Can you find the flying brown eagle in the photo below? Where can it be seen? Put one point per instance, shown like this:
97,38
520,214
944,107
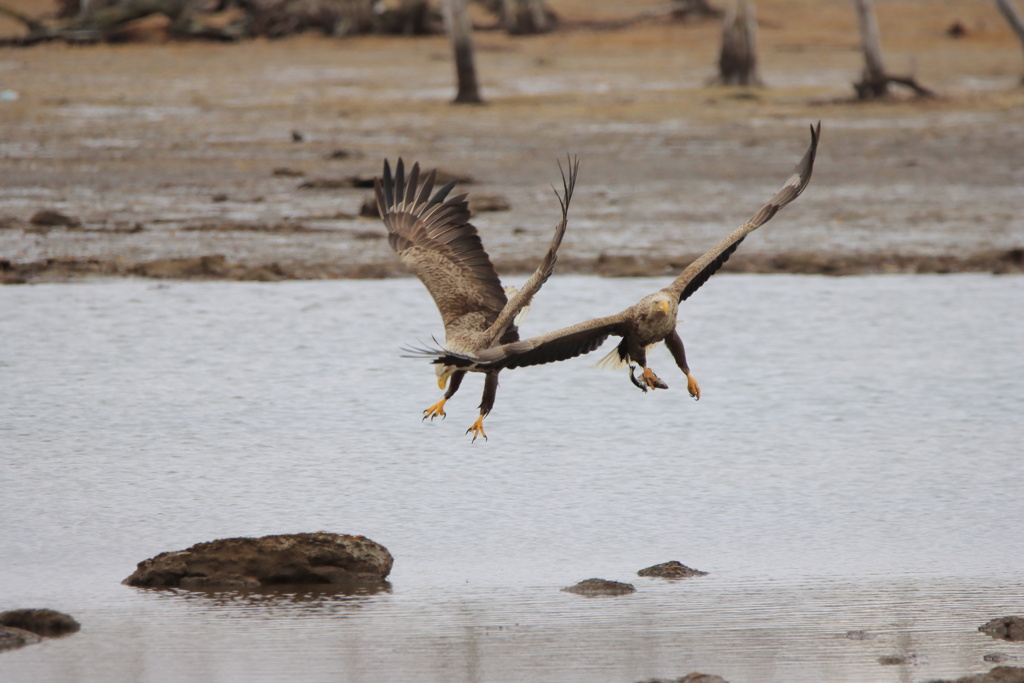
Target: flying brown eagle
433,237
641,326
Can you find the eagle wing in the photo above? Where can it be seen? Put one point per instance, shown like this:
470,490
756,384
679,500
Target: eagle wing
523,297
698,272
563,344
434,239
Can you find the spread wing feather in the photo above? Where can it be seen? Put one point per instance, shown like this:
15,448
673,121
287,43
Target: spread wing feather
698,272
434,239
525,294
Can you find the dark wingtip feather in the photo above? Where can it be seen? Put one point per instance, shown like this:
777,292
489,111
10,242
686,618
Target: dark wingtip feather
399,180
442,193
388,182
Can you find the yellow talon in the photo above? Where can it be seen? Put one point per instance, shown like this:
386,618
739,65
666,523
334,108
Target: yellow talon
436,410
652,380
478,429
693,387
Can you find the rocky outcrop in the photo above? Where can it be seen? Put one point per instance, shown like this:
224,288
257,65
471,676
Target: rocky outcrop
591,587
303,559
42,622
1000,674
1004,628
694,677
670,570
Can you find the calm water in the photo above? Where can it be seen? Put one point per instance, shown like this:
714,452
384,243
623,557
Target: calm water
855,464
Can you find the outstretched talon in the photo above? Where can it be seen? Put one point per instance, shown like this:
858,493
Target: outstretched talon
478,429
693,387
436,410
652,380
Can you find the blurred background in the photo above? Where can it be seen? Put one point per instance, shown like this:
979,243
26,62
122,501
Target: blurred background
239,140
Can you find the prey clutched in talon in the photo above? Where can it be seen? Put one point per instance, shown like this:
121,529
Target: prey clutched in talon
478,429
652,380
436,410
649,379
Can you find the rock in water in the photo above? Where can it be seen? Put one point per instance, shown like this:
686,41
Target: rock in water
1004,628
42,622
320,558
670,570
600,587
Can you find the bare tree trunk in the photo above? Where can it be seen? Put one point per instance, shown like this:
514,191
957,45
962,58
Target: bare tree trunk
1014,18
737,63
461,33
874,82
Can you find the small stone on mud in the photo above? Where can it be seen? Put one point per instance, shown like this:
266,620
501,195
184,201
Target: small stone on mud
50,218
600,587
483,203
899,660
286,172
672,569
858,635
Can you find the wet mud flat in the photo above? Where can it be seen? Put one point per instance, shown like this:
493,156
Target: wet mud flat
250,161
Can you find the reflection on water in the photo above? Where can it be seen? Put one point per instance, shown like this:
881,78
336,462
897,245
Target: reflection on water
853,466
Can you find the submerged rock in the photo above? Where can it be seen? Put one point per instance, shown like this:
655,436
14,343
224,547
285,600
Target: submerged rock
320,558
42,622
1004,628
12,638
670,570
600,587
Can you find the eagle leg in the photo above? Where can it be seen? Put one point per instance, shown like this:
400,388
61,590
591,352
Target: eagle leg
652,380
436,410
478,429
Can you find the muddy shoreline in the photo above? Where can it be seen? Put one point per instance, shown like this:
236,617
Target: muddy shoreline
192,160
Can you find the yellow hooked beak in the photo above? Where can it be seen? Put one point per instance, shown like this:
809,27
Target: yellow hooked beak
663,306
443,373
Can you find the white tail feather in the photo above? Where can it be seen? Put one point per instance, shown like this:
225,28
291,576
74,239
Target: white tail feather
612,361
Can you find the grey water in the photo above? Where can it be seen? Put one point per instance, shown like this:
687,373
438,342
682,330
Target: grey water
855,464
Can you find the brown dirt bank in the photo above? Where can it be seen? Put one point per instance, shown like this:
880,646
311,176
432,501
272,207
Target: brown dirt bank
167,157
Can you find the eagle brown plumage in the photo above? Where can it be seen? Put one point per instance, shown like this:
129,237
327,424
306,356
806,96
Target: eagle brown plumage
433,237
649,321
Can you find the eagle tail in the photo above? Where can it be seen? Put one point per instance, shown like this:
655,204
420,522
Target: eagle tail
613,361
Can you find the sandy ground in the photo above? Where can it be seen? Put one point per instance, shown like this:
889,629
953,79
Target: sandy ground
181,159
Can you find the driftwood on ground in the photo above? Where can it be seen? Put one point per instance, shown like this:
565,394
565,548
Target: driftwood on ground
108,20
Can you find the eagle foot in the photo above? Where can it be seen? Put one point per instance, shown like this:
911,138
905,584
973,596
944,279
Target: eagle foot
478,429
693,387
436,410
652,380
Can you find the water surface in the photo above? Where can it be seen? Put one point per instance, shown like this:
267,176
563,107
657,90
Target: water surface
854,464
